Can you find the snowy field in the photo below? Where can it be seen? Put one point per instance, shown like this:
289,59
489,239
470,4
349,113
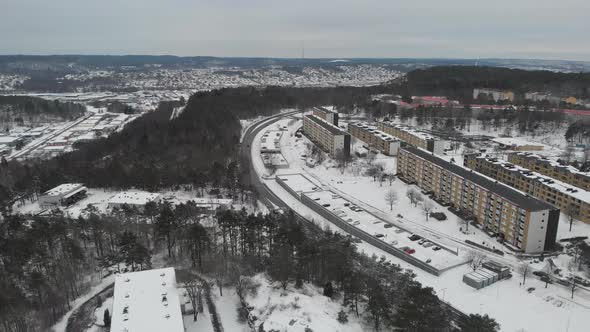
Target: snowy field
500,300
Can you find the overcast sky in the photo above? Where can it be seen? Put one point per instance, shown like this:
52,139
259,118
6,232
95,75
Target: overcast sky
545,29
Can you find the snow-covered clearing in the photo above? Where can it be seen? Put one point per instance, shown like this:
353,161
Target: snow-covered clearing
297,309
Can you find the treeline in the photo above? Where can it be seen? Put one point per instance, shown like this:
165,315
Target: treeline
458,82
24,110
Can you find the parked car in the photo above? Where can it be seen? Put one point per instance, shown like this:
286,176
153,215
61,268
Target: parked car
326,205
399,231
437,248
387,225
410,251
421,242
428,244
394,242
428,261
540,273
356,223
378,235
414,237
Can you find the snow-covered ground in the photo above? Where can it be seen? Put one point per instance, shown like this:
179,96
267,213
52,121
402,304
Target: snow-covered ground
297,309
544,309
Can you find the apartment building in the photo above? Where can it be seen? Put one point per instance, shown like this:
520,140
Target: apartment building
497,95
551,168
326,114
571,200
521,221
328,137
374,138
413,137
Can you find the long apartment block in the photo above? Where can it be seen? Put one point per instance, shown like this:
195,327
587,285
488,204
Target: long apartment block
413,137
376,139
526,223
328,137
552,168
326,114
571,200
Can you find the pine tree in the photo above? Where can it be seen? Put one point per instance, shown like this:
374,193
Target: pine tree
107,318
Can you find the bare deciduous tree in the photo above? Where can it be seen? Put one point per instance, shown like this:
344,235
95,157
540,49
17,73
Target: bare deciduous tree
192,290
427,206
476,259
524,269
414,196
391,198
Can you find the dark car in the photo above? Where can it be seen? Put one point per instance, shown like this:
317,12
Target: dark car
414,237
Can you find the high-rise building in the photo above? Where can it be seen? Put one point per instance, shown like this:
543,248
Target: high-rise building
413,137
327,136
519,220
571,200
375,139
326,114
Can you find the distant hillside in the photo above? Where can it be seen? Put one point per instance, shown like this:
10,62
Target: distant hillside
24,110
458,82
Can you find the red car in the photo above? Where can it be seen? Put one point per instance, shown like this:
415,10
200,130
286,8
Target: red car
410,251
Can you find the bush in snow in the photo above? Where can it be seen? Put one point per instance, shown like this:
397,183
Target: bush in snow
342,317
328,289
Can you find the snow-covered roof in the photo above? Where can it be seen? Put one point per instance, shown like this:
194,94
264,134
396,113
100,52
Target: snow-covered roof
566,189
7,139
146,301
213,201
136,197
410,130
515,141
64,189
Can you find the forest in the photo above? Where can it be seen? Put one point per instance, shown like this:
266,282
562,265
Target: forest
458,82
44,264
25,110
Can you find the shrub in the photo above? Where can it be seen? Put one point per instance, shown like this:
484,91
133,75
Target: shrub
342,317
438,215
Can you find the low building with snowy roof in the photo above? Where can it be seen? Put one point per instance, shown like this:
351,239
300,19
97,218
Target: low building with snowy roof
517,144
147,301
63,195
136,198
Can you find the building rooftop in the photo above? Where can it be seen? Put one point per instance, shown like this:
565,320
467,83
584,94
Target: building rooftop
146,301
553,163
513,195
375,131
567,189
324,109
332,128
515,141
411,130
63,189
133,197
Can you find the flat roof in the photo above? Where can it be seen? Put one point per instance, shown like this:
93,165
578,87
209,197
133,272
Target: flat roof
146,301
565,188
135,197
323,109
517,197
63,189
332,128
515,141
375,132
410,130
552,163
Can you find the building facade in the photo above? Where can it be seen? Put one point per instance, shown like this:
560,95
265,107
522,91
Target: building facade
63,195
497,95
525,223
326,114
570,200
375,139
328,137
413,137
551,168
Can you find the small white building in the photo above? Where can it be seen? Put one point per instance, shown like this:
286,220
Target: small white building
147,301
65,194
136,198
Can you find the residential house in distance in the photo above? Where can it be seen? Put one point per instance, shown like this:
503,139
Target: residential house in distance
413,137
327,136
497,95
62,195
374,138
147,301
326,114
571,200
519,220
552,168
